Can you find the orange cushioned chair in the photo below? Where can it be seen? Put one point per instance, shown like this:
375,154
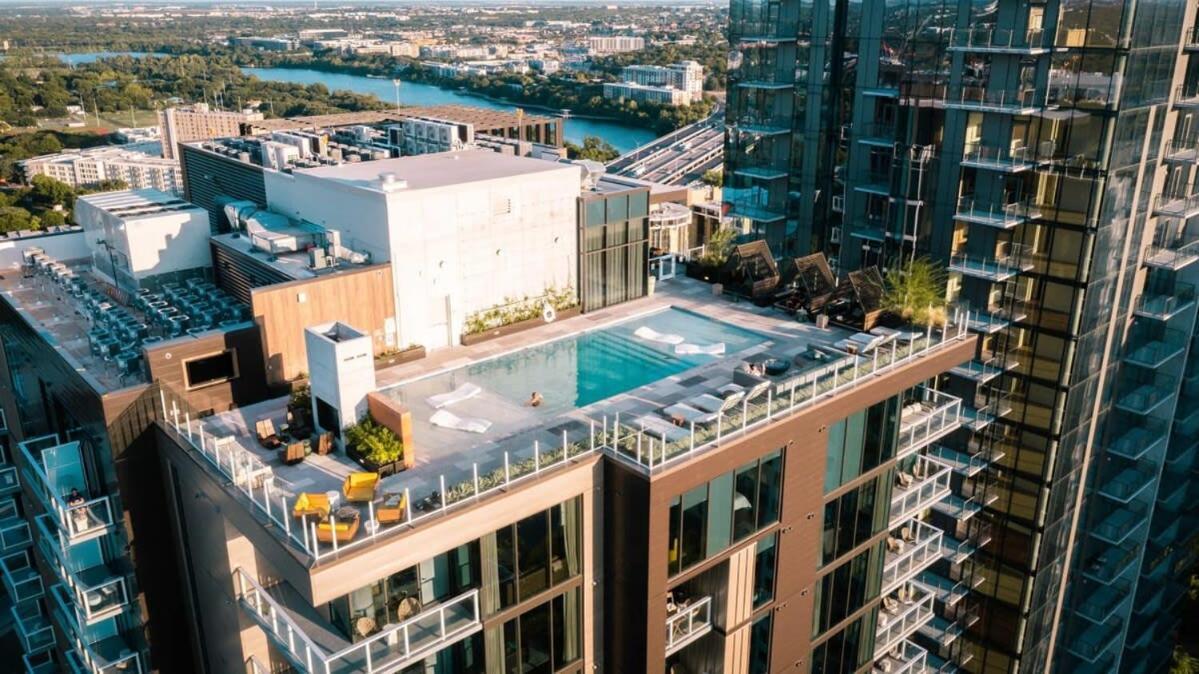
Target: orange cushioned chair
312,505
360,487
346,528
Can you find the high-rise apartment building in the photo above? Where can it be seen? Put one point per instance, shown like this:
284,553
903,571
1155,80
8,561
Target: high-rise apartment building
198,122
94,166
614,44
1042,154
686,76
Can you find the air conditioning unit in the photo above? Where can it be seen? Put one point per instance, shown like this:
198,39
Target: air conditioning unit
834,235
839,204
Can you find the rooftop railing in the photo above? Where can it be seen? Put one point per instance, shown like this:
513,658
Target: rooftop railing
388,650
654,449
687,624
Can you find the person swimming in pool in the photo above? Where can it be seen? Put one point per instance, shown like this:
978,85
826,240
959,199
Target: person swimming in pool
535,400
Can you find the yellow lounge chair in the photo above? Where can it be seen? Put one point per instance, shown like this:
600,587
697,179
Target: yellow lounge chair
312,505
346,528
360,487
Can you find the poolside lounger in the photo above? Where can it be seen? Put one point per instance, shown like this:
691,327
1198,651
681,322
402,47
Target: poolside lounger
687,413
463,392
645,332
710,403
447,419
662,429
716,349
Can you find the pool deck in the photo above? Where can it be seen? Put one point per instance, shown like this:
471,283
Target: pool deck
516,429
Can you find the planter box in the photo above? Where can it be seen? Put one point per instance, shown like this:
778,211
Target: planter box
519,326
400,357
383,469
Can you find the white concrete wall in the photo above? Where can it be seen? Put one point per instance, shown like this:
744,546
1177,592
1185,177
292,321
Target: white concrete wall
341,372
154,244
60,246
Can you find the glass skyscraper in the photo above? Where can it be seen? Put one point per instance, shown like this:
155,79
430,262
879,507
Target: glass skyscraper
1043,154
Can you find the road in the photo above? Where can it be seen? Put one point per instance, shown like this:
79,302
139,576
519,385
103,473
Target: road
678,158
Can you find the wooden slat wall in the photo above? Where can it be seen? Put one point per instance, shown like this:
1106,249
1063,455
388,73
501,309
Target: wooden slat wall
165,362
741,586
362,298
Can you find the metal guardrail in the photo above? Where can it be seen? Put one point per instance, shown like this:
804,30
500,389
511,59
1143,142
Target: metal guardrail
688,624
944,417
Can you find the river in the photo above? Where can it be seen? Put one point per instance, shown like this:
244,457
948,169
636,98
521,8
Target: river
622,136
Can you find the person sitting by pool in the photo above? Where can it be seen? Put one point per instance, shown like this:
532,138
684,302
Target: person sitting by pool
535,399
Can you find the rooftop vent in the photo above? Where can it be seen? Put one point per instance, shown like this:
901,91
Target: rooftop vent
390,183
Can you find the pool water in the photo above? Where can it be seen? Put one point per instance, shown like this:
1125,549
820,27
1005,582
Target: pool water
576,371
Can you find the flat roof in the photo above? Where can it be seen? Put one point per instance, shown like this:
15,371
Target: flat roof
294,265
441,169
447,459
131,204
482,118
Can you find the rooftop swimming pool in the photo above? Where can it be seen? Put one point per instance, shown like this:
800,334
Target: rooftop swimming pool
577,371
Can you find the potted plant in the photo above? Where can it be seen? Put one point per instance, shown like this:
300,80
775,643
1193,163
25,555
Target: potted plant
375,446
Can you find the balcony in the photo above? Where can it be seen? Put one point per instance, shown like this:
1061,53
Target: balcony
1111,563
32,628
40,663
984,412
1147,397
763,126
956,551
1101,602
1184,151
905,658
15,534
81,518
1137,437
927,420
961,508
877,183
877,134
1093,642
899,618
21,579
1183,207
998,216
1172,253
97,594
966,465
1162,305
1127,484
947,591
978,99
999,159
687,624
1006,262
1173,494
978,371
989,40
1186,98
918,490
1190,40
281,612
1151,349
1120,523
917,546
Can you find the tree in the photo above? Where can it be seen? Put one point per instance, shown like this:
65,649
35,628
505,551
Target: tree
53,219
1183,662
52,191
916,292
14,218
713,177
593,148
718,246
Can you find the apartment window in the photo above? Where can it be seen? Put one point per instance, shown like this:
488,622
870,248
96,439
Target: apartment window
209,370
759,646
861,442
764,568
731,507
847,588
854,517
532,555
542,640
847,650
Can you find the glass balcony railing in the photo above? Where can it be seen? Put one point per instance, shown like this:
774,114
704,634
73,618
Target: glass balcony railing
1127,484
40,663
987,212
763,125
913,550
1147,396
905,658
1136,437
1162,305
1111,563
879,134
15,534
991,40
1007,261
1094,641
389,650
925,484
979,99
1151,348
1186,96
1001,159
978,371
9,484
20,577
688,623
924,421
32,627
1120,523
55,472
1185,151
1176,206
899,618
962,463
1100,602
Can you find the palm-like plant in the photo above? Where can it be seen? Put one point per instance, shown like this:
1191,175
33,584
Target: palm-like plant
916,292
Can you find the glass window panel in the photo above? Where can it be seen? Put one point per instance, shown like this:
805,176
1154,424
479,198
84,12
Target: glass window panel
535,654
759,646
855,436
695,525
532,555
769,489
618,208
673,562
836,449
505,552
745,500
638,204
595,212
720,513
764,567
567,635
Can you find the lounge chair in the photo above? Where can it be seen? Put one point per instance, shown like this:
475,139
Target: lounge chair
894,545
904,479
360,487
688,414
716,349
447,419
890,605
324,443
662,429
344,530
311,505
264,430
293,453
710,403
648,333
393,509
463,392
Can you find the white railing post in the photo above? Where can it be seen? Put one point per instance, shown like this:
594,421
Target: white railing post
444,496
536,457
333,531
507,471
408,503
475,471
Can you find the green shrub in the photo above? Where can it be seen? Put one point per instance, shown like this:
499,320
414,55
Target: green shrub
916,292
377,443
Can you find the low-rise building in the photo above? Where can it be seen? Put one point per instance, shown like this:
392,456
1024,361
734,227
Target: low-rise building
645,94
614,44
687,76
198,122
94,166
